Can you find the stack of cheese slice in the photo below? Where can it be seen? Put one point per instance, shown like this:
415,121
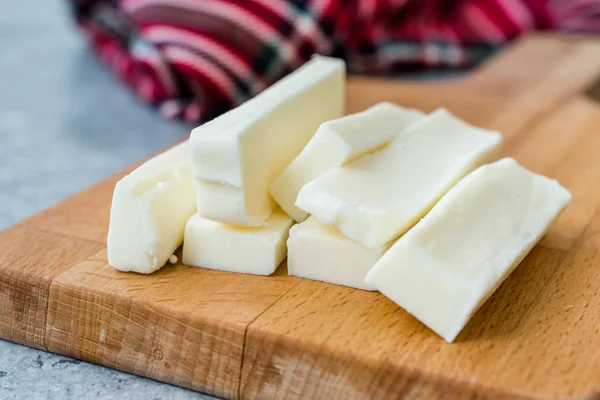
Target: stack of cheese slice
386,199
239,154
214,189
336,143
370,202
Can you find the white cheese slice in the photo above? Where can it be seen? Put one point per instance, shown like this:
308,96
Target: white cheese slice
444,269
380,196
320,252
338,142
252,144
228,204
251,250
150,207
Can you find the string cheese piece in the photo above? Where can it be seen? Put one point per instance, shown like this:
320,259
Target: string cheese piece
336,143
248,147
251,250
150,208
449,264
320,252
378,197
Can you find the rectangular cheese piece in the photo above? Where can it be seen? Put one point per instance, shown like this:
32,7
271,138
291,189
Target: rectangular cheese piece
380,196
251,145
150,208
445,268
320,252
226,201
336,143
251,250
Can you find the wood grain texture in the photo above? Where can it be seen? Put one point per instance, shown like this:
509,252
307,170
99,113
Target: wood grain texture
29,260
242,336
84,215
181,325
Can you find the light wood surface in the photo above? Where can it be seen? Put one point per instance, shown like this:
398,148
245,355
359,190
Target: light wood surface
242,336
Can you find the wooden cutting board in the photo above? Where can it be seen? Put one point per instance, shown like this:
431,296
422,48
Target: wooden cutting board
242,336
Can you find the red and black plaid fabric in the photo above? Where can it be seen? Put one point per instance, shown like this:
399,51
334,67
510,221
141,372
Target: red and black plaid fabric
194,59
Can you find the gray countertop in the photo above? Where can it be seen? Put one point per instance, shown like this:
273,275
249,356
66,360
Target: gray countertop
65,124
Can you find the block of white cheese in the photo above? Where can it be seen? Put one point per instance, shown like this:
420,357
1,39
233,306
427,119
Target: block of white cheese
226,201
248,147
150,208
443,269
338,142
251,250
320,252
380,196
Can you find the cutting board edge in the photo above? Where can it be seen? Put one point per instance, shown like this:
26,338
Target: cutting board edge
399,379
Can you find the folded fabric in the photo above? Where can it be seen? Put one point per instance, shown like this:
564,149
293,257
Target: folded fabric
194,59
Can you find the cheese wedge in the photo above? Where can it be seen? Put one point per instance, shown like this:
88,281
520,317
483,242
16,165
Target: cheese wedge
378,197
336,143
445,268
251,250
150,208
320,252
251,145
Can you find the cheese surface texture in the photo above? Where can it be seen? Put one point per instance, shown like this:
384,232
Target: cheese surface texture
338,142
249,146
320,252
251,250
380,196
149,210
228,204
444,269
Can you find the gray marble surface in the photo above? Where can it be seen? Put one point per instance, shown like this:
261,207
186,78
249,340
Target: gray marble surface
65,123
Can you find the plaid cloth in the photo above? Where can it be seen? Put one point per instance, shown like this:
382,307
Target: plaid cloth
194,59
